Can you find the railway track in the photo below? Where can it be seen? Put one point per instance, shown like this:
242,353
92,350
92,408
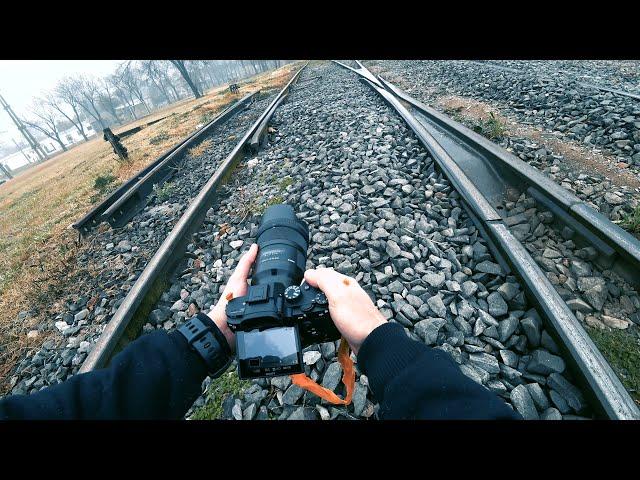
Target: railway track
417,208
110,261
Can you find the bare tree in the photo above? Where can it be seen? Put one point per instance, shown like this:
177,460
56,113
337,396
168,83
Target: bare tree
180,66
156,77
167,72
124,95
107,99
66,93
89,91
47,121
130,79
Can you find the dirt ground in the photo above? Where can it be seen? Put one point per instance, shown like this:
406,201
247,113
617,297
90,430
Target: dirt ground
38,207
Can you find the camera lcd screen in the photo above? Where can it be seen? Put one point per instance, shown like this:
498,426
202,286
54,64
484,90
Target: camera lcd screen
275,351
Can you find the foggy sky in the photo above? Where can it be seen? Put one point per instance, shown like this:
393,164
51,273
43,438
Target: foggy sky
20,80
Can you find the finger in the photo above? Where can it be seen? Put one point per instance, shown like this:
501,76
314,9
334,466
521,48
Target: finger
326,279
241,273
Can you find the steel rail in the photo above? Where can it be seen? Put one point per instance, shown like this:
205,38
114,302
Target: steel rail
95,216
605,391
136,198
619,249
171,252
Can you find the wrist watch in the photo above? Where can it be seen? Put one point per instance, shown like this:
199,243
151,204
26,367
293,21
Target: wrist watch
204,336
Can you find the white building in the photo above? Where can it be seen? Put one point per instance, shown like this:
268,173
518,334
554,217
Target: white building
69,137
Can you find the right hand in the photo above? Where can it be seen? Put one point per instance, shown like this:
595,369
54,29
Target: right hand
351,309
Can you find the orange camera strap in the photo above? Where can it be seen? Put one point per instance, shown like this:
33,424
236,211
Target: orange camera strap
348,378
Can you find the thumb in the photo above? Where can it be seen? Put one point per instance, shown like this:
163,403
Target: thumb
322,278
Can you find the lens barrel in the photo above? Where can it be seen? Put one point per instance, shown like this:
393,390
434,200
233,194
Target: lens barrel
283,240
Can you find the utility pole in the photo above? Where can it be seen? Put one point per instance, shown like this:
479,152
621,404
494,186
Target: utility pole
23,130
4,169
21,151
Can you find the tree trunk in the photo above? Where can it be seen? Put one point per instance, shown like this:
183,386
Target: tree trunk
179,64
79,125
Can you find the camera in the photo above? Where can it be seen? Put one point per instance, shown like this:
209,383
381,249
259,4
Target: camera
279,316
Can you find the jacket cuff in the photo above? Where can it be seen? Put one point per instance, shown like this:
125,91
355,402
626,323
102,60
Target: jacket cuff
385,353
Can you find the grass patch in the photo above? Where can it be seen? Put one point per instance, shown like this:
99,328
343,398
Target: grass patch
164,191
492,128
631,222
285,182
159,138
622,351
225,384
102,184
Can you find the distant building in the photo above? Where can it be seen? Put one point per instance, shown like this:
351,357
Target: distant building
124,111
69,137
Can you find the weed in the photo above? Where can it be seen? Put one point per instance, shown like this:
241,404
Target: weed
285,182
102,184
493,128
622,351
227,383
159,138
631,222
165,191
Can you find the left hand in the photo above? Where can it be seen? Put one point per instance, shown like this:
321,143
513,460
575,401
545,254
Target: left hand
237,287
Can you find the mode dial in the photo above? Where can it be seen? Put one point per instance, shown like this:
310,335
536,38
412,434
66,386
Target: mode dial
292,292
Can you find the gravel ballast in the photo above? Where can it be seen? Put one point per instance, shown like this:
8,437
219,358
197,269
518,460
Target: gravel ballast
378,211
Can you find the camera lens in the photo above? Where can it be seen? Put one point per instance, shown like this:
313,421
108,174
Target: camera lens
283,240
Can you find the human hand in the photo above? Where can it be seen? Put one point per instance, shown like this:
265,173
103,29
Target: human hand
351,309
236,287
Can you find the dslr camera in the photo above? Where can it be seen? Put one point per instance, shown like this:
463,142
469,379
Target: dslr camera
279,316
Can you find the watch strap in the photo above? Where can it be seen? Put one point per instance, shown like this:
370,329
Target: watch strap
204,336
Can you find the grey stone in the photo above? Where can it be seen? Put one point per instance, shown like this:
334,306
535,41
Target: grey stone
551,414
507,327
303,413
474,373
437,305
538,396
532,331
311,357
569,392
428,329
292,395
497,305
489,267
281,382
487,362
434,279
392,249
332,376
359,399
523,403
347,228
544,363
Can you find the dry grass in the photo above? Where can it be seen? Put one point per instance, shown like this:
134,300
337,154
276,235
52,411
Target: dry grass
37,208
200,148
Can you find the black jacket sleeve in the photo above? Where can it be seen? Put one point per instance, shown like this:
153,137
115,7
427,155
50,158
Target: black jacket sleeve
414,381
157,376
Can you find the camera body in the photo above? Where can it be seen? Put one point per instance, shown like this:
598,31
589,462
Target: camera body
279,316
